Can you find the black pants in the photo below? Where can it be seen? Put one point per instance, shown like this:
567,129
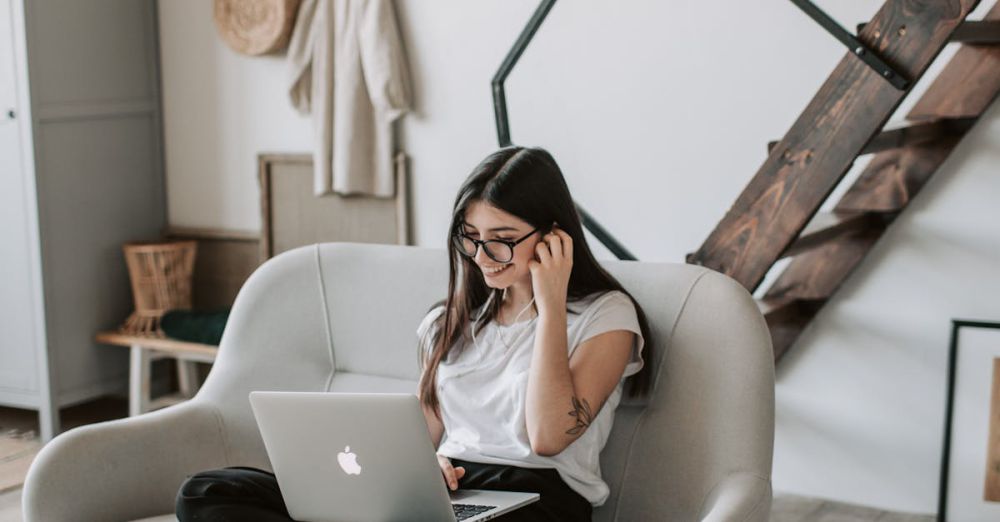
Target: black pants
241,494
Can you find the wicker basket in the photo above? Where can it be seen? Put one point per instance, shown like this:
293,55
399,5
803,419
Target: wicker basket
161,280
255,27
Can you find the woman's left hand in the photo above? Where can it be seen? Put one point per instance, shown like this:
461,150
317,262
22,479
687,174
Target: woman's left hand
551,269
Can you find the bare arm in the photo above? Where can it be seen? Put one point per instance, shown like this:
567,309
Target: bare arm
436,429
565,394
434,425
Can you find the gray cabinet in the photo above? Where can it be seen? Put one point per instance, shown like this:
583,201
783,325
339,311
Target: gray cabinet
81,172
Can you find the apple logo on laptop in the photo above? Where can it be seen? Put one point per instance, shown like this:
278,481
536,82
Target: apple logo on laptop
349,461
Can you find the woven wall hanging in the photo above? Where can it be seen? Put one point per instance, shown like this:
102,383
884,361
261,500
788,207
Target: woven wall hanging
255,27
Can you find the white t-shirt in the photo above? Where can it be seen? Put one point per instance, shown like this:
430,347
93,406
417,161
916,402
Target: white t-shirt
482,392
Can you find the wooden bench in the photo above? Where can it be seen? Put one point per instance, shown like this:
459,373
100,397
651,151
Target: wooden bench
145,350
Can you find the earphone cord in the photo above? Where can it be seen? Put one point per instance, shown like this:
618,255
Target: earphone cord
486,307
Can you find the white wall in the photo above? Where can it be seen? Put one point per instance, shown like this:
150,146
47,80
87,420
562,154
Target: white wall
221,109
659,113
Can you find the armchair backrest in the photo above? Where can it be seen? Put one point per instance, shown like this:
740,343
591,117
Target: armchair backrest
342,317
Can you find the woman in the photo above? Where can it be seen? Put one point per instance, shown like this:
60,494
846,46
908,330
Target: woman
520,379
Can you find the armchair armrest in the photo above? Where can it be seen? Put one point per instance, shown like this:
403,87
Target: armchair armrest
123,469
742,496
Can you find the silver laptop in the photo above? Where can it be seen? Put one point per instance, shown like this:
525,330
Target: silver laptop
363,457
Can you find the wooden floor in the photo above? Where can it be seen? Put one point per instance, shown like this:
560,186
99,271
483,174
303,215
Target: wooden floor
19,443
17,450
787,508
792,508
10,506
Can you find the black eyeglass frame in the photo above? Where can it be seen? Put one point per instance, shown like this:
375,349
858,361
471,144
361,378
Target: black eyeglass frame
479,243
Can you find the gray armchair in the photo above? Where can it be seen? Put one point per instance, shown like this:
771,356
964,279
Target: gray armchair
341,317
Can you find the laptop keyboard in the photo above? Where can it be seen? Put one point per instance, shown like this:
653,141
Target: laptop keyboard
464,511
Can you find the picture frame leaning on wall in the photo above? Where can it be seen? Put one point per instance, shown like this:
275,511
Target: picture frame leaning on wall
970,459
293,216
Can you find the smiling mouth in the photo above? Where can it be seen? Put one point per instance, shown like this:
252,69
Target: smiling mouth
494,271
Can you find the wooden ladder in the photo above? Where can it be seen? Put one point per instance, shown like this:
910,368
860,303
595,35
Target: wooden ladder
776,214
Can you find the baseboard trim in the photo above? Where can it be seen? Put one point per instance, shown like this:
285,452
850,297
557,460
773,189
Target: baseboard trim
27,400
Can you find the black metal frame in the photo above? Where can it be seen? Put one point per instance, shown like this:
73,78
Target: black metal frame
956,326
499,99
869,57
503,125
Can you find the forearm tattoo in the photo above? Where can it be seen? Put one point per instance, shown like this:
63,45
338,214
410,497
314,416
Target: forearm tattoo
584,416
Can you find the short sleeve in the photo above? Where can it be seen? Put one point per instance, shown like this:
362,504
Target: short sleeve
425,328
612,311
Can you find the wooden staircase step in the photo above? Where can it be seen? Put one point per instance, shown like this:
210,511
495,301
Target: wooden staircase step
786,319
826,226
809,281
893,178
773,307
912,134
977,32
917,133
850,108
818,273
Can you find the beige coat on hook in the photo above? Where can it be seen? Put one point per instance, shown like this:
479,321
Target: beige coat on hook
348,69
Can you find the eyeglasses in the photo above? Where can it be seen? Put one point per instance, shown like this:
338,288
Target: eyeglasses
499,250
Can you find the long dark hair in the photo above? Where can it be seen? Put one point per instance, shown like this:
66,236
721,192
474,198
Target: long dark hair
527,183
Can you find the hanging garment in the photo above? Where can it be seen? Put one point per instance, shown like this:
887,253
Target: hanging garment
349,71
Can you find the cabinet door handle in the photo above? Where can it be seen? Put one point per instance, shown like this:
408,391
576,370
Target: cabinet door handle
11,114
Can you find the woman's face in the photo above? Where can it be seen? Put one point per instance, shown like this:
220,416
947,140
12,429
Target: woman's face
484,222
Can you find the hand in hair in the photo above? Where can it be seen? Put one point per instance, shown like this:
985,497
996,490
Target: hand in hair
551,269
